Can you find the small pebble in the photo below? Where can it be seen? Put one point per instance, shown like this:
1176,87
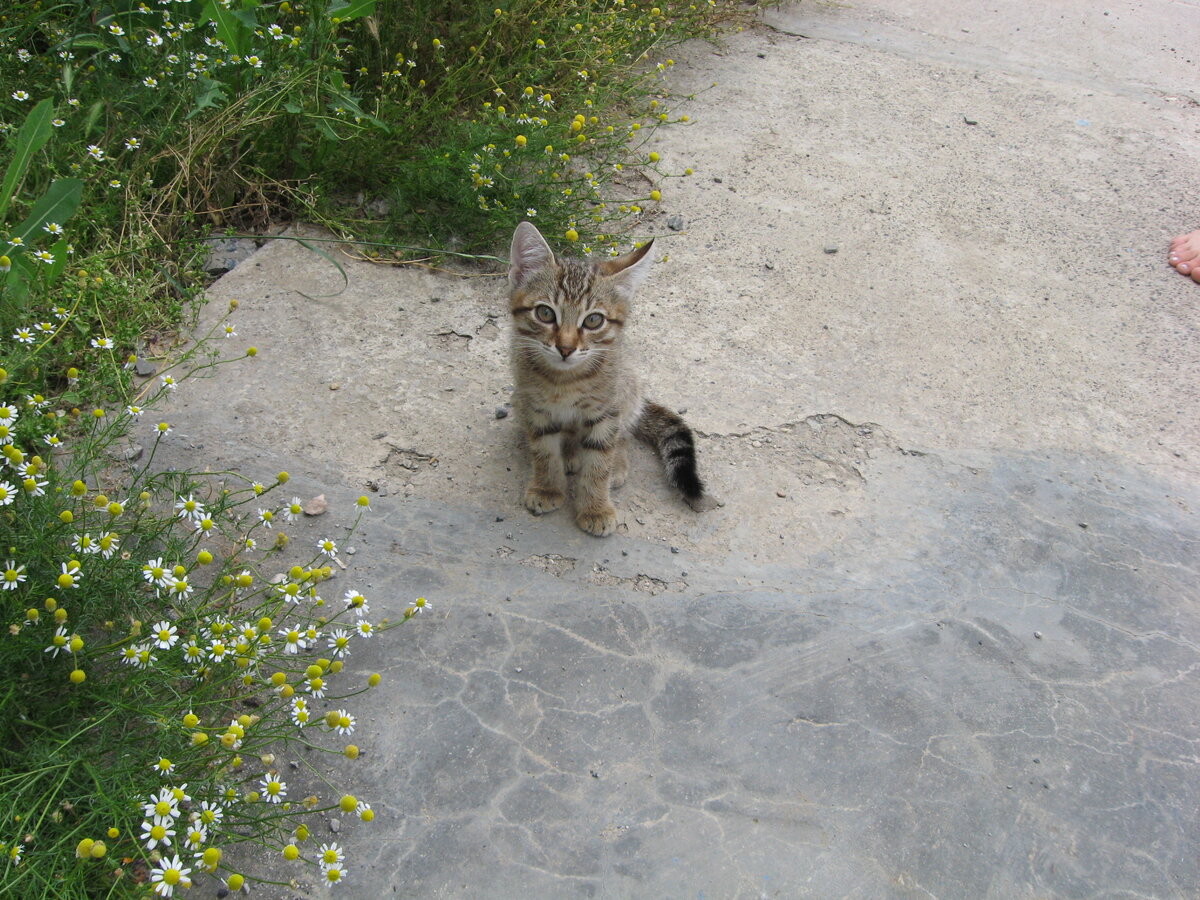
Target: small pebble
674,549
335,386
351,550
970,121
831,248
1038,635
335,825
501,412
781,494
675,222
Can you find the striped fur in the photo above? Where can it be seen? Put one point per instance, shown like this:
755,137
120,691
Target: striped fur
576,394
672,440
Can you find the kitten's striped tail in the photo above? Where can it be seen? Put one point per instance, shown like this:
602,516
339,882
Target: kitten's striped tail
672,440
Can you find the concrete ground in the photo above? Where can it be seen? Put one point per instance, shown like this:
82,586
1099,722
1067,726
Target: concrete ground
943,639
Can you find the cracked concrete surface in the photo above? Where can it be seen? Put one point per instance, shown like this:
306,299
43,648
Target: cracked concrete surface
942,640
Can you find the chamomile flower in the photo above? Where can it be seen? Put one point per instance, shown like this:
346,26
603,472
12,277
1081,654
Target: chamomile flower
85,543
142,656
180,587
8,493
266,516
419,604
155,573
335,874
108,543
357,602
20,96
342,722
290,591
164,766
330,855
210,813
52,228
116,30
13,575
294,640
338,641
162,807
8,414
135,411
52,440
23,336
95,153
169,383
169,874
365,629
154,834
195,837
58,642
229,332
300,712
133,143
71,573
293,509
165,635
189,508
327,548
273,790
103,343
218,651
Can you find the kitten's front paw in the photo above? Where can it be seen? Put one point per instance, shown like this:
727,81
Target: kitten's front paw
600,522
543,500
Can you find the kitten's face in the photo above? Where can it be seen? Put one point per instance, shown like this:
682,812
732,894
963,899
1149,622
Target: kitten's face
565,320
567,315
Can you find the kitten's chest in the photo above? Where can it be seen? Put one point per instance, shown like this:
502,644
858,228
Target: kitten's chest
572,405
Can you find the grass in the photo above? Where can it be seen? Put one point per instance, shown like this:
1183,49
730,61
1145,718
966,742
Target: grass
165,641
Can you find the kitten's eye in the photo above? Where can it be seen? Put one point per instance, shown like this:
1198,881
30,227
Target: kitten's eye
544,313
593,321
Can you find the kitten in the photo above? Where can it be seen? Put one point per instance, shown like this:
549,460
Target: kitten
576,394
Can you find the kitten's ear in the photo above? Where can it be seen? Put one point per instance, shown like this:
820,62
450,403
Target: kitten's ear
529,254
626,273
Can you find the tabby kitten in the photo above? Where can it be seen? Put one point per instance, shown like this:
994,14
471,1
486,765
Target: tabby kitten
576,394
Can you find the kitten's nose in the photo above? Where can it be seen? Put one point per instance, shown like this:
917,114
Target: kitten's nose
565,351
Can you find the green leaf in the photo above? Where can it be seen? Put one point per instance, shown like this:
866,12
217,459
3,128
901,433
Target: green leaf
351,9
60,260
325,128
30,139
231,27
209,94
57,205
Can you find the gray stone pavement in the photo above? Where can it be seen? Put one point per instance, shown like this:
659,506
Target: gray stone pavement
943,638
